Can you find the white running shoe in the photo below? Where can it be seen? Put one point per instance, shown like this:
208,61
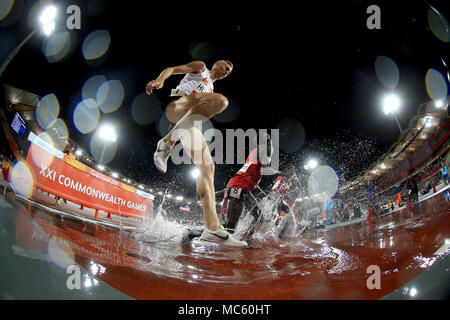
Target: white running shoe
221,236
161,155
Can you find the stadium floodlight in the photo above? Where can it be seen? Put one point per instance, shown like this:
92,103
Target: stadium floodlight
48,15
107,133
47,20
391,105
311,164
195,173
48,28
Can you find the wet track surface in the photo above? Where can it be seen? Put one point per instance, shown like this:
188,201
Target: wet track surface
321,264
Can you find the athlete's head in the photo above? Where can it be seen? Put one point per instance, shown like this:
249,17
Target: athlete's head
265,148
222,68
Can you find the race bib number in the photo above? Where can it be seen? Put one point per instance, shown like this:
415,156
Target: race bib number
203,86
276,185
245,167
235,193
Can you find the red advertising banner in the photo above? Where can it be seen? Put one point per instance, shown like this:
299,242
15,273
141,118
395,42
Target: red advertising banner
70,179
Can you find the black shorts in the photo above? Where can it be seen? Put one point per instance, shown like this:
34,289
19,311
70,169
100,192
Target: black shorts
235,201
236,193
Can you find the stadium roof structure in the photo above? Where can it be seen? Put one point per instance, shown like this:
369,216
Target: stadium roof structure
423,126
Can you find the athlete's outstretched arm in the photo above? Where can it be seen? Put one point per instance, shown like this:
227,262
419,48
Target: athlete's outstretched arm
191,67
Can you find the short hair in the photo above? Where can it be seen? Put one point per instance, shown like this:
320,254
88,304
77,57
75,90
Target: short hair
225,61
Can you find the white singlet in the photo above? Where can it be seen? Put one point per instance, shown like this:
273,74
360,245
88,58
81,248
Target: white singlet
193,83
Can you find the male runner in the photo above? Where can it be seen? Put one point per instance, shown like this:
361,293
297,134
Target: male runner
238,195
294,222
279,193
194,98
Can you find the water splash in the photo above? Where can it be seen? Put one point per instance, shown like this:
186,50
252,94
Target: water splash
159,229
268,228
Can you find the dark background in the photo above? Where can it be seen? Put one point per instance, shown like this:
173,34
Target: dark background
308,61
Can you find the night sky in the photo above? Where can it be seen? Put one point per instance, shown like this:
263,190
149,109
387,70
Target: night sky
312,63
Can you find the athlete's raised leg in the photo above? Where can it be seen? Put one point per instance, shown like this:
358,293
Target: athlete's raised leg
184,112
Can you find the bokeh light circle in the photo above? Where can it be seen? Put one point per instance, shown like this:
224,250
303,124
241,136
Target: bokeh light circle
86,116
12,12
439,25
96,44
145,108
58,133
110,96
323,183
60,253
47,110
91,86
57,46
5,8
102,150
40,157
34,13
436,85
163,125
387,72
292,134
21,179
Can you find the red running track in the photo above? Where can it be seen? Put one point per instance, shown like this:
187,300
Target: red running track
327,264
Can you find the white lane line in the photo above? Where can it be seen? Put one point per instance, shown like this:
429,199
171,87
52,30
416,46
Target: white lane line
443,248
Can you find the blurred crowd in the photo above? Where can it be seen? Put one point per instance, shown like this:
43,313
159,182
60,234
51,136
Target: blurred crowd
416,185
6,163
346,207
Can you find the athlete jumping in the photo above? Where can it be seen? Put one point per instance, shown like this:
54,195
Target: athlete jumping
194,100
